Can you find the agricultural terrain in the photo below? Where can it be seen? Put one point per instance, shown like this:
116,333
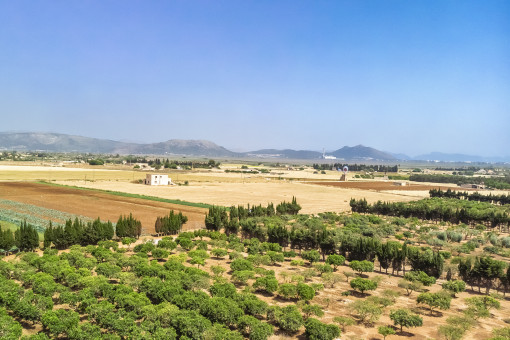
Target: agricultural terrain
95,204
263,272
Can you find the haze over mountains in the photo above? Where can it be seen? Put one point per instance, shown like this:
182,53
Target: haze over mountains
56,142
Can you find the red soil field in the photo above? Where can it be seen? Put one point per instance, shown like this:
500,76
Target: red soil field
98,204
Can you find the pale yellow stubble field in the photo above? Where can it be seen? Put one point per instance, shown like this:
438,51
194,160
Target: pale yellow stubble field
312,198
215,186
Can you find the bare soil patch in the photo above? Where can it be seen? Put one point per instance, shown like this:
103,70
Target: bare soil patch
96,204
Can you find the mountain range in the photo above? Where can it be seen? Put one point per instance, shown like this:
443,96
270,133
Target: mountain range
57,142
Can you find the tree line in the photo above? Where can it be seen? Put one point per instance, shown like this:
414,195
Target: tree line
173,164
491,182
217,217
468,168
475,196
25,238
171,224
485,272
77,232
357,167
439,209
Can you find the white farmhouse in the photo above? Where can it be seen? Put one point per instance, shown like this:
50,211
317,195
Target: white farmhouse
152,179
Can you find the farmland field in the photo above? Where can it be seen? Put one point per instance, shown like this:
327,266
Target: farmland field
313,198
68,195
95,204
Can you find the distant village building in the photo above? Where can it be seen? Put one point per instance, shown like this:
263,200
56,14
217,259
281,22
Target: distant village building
472,186
152,179
324,156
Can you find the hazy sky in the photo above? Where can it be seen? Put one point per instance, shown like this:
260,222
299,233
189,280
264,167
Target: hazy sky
401,76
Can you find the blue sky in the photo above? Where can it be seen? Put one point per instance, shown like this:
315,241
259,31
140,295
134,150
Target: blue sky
400,76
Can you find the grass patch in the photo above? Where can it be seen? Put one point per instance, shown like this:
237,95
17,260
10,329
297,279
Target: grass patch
125,194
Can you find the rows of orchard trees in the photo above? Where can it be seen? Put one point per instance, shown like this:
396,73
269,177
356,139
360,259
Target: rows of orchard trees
130,297
313,234
436,209
475,196
491,182
357,167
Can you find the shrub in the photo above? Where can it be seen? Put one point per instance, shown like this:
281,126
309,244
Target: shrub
385,331
335,260
253,328
311,256
316,330
365,311
420,277
305,292
241,264
343,321
219,252
287,291
289,319
404,318
227,290
268,284
435,300
456,286
363,284
362,266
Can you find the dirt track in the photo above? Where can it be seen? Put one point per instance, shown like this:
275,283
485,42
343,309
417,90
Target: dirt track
383,186
97,204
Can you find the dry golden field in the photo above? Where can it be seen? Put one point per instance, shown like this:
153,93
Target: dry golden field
312,198
221,188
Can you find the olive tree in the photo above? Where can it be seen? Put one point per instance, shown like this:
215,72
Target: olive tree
385,331
362,266
316,330
404,318
456,286
439,300
335,260
363,284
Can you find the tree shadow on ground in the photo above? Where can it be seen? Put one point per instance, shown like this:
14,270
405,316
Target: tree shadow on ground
404,333
359,294
426,311
284,335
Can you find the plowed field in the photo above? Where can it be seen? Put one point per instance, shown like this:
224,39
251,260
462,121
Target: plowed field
97,204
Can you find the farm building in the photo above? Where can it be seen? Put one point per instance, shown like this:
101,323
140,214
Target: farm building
152,179
472,186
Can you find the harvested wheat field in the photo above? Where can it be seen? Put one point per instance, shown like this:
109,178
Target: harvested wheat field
97,204
312,198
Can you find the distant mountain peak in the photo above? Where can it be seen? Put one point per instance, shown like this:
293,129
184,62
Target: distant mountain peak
362,153
59,142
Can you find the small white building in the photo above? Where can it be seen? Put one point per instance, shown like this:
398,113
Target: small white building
152,179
